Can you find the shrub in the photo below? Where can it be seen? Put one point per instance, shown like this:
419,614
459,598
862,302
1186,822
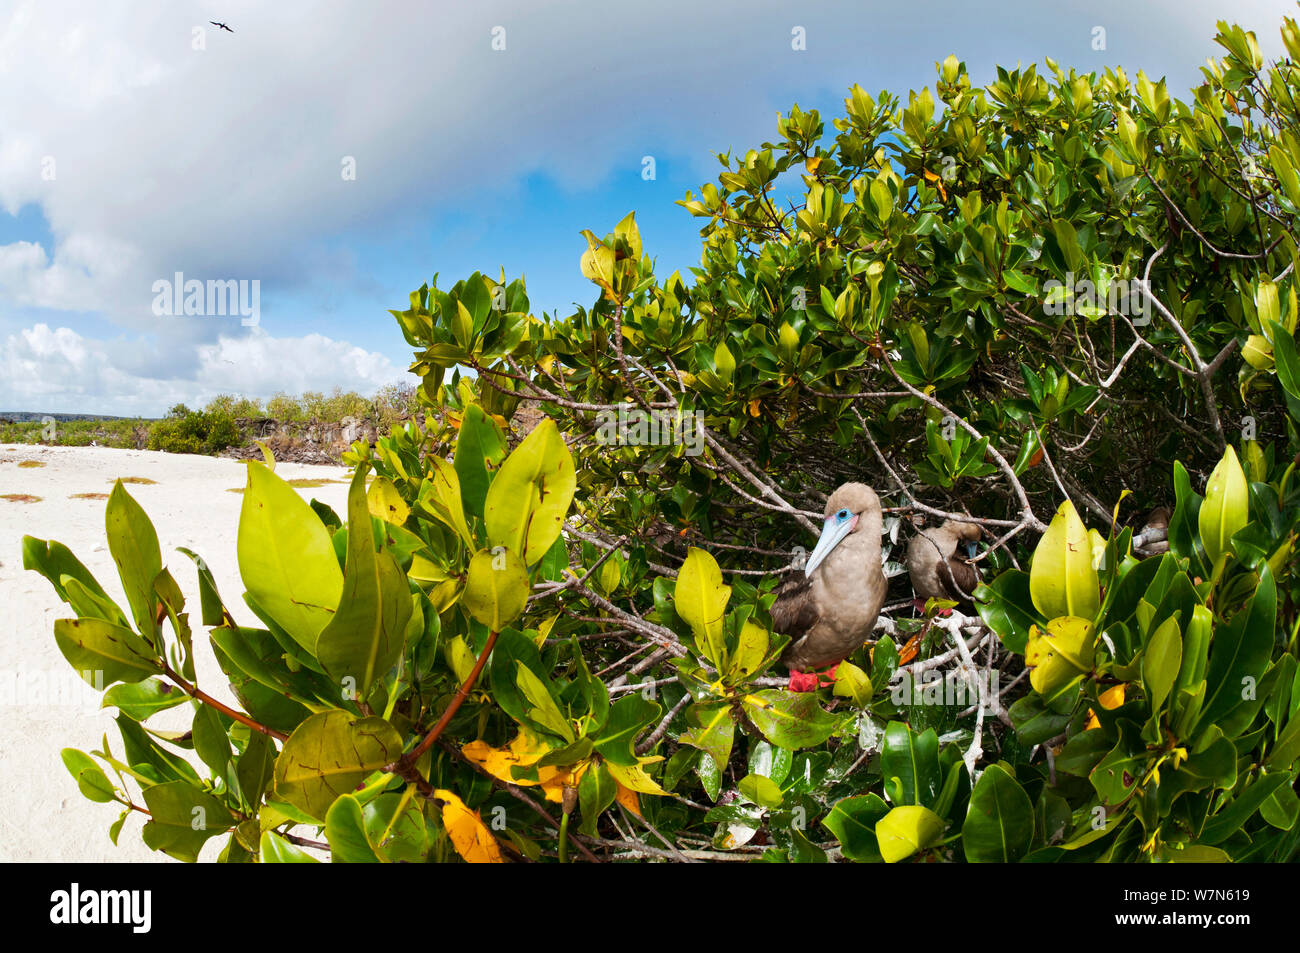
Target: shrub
228,405
188,431
583,622
285,408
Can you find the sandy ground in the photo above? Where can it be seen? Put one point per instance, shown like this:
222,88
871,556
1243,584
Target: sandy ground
44,707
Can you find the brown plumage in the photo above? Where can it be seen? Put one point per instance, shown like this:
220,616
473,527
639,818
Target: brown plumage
938,565
831,609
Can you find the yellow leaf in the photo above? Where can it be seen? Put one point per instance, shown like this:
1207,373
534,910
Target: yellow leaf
469,835
812,163
635,778
1062,580
496,588
628,798
424,569
444,594
701,600
385,502
526,748
1112,697
555,779
1227,505
1059,652
544,628
755,407
460,657
441,495
527,502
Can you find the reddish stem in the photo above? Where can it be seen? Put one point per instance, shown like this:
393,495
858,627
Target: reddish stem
461,694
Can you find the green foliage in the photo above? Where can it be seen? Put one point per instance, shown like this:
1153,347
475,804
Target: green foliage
583,616
121,433
190,431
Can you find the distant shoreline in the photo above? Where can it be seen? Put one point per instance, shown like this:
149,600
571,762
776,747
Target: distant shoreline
25,416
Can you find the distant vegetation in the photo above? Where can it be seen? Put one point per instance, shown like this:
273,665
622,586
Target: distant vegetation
194,431
215,427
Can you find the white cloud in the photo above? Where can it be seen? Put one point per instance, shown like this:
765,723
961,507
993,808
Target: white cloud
59,370
148,156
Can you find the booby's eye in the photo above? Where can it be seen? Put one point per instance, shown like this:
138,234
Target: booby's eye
843,514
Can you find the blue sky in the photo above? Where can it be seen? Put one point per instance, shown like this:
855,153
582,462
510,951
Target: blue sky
139,141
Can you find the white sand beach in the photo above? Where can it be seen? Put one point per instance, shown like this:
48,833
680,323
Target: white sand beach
44,707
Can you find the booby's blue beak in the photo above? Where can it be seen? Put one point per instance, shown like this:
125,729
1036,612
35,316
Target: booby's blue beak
835,529
972,548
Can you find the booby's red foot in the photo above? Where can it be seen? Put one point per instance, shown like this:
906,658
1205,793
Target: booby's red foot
804,682
811,681
919,606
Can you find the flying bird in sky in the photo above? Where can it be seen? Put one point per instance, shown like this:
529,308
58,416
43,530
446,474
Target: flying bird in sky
221,26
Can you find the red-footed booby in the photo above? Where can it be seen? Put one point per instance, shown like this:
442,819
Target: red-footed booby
831,609
938,561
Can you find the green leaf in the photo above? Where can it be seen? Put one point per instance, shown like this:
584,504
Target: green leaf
286,558
853,822
345,829
544,710
1240,651
1007,607
365,636
255,768
712,730
141,700
274,849
56,563
852,683
999,826
328,755
95,647
1059,653
789,719
441,498
211,742
209,598
596,792
91,780
906,830
183,818
909,763
496,589
628,717
1161,661
761,790
134,545
750,650
525,507
480,448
